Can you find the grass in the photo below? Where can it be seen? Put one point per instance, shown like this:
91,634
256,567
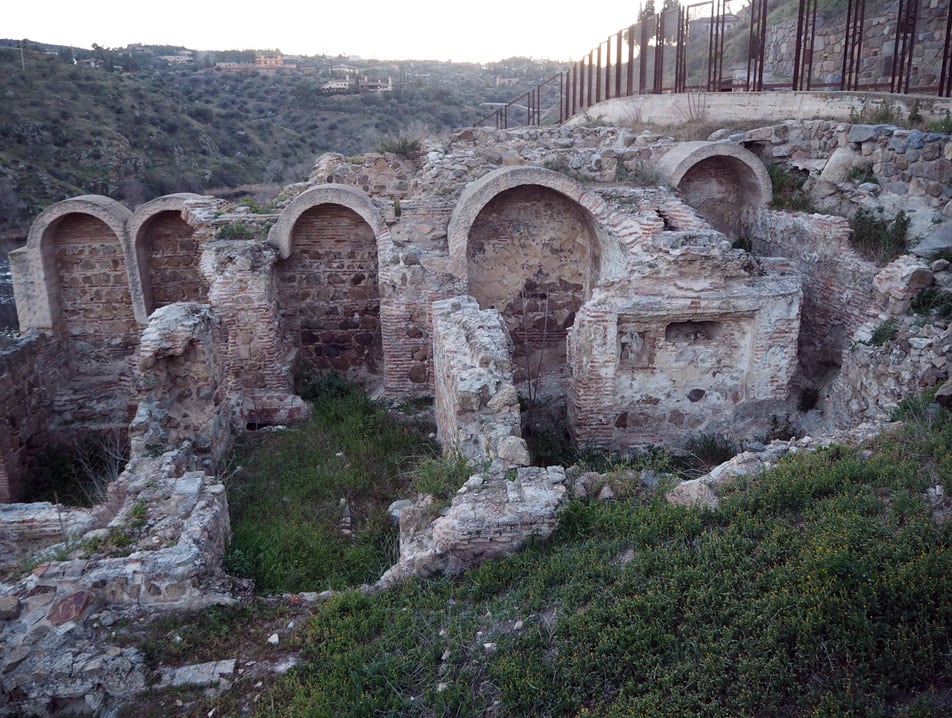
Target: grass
351,449
818,589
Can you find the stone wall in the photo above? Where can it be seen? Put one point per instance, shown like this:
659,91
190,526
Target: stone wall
838,293
30,370
477,407
911,167
877,47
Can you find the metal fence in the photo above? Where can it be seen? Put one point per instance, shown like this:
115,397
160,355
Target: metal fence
685,47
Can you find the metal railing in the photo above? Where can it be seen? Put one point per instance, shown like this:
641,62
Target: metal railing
683,48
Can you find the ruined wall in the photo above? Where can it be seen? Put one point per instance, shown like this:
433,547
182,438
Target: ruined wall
30,369
477,407
533,256
838,293
682,352
911,167
327,291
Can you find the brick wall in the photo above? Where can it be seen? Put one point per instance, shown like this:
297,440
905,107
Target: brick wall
328,296
29,370
96,321
173,252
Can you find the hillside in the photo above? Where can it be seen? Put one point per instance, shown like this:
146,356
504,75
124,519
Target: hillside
137,123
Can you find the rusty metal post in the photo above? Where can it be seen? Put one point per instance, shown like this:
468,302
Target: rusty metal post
806,39
631,60
643,58
680,53
598,74
945,77
608,68
905,42
715,48
590,55
853,48
757,38
618,64
658,85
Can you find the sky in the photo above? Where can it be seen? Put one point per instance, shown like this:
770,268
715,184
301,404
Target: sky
481,31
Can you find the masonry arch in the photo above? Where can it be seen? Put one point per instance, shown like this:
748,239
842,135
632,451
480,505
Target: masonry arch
167,255
75,270
525,244
77,280
724,182
327,284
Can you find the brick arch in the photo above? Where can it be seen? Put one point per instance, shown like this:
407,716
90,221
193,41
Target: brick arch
531,249
167,255
355,200
41,262
724,182
481,192
327,282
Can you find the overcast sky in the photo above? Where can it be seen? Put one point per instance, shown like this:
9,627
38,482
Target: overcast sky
480,31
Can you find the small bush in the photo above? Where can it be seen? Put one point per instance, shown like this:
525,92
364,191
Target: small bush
933,300
401,146
861,174
238,230
788,192
878,240
884,333
944,125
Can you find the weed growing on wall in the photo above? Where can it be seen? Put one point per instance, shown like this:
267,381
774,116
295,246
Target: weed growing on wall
79,472
788,192
878,240
819,588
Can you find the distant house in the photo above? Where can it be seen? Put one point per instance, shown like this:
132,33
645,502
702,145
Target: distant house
269,59
344,69
336,85
377,85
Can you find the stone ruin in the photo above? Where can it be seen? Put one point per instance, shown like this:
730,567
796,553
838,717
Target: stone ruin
639,285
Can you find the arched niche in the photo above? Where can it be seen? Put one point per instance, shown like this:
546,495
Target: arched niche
724,182
72,276
529,247
327,280
167,254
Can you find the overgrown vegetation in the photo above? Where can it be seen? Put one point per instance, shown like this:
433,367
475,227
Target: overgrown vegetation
136,127
788,192
285,499
884,333
820,588
933,301
878,240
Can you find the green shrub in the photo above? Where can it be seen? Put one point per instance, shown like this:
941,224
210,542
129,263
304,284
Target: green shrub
285,498
933,300
878,240
788,192
400,145
238,230
884,333
818,588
